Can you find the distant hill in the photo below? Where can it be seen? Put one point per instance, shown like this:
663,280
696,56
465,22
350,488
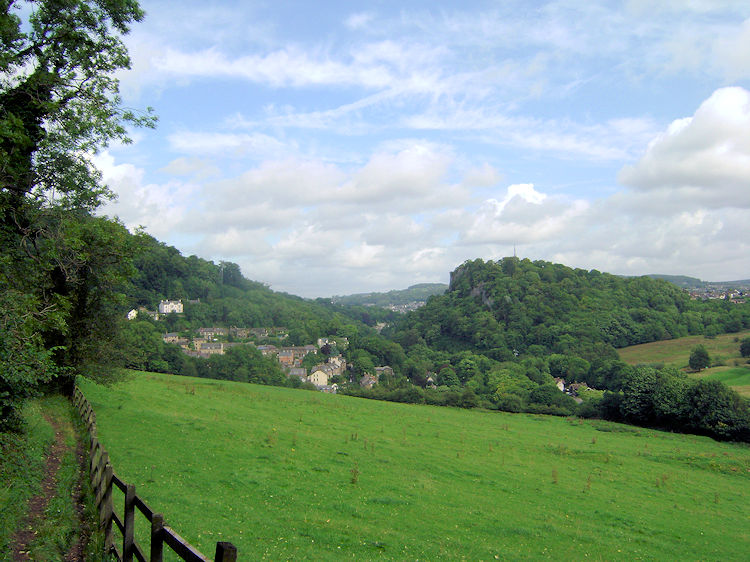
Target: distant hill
685,282
682,281
400,297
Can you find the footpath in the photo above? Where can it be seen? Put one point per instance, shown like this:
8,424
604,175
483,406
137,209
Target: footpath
41,534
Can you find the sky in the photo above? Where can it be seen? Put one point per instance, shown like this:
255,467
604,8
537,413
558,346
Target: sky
339,147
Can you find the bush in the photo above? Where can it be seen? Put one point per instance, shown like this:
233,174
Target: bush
510,403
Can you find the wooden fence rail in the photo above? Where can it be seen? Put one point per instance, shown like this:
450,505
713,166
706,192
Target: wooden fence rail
102,480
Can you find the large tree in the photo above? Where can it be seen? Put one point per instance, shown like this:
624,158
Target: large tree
60,268
699,358
59,99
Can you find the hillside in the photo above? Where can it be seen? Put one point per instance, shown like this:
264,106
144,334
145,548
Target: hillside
285,474
219,295
515,307
693,283
682,281
418,293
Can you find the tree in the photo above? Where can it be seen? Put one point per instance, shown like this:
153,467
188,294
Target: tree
59,100
745,347
699,358
59,104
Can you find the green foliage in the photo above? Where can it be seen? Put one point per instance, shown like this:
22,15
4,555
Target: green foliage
24,361
745,347
60,101
666,398
61,270
518,307
699,358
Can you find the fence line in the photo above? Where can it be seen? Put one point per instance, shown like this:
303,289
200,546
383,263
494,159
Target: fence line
103,478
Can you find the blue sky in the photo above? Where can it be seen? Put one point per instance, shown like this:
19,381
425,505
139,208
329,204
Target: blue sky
339,147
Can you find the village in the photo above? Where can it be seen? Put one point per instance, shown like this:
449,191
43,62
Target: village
325,375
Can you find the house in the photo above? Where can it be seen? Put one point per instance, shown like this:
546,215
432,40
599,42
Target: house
321,374
286,357
332,389
170,337
267,349
209,333
240,333
319,377
293,356
386,370
368,381
560,383
152,313
337,365
299,372
577,387
259,332
211,348
170,307
132,314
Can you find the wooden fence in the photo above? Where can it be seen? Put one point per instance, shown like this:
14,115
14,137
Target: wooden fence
102,480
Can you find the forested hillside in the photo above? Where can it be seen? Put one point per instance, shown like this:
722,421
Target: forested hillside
518,307
219,295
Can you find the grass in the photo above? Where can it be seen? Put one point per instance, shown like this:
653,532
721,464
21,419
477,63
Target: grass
736,377
21,469
21,472
289,474
675,353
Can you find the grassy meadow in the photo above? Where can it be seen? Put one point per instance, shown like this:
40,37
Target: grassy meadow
291,474
734,372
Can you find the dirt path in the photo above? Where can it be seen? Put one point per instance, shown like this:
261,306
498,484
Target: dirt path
26,533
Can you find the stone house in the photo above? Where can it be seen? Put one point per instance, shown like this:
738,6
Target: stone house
368,381
170,307
212,332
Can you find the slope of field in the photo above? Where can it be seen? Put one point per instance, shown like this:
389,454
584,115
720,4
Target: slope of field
736,377
289,474
735,372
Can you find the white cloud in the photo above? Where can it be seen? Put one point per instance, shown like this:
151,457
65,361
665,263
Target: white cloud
359,20
361,151
160,208
732,52
704,159
191,166
227,144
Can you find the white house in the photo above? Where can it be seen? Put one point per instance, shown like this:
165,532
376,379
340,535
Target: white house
169,307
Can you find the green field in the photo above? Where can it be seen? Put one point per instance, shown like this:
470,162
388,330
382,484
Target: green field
291,474
675,353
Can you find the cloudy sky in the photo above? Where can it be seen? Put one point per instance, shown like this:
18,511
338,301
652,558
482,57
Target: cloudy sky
338,147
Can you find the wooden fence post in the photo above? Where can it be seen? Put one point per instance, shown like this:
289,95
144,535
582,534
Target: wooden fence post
128,523
225,552
106,507
157,540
